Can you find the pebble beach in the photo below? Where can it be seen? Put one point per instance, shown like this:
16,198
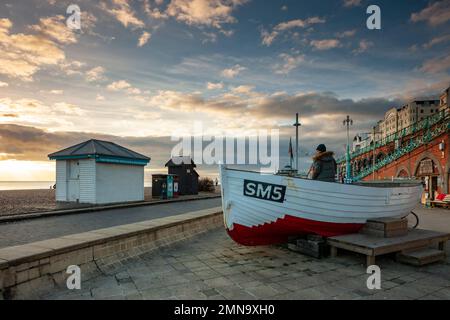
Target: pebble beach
26,201
14,202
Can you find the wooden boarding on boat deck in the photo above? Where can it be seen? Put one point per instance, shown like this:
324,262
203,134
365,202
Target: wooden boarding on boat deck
373,246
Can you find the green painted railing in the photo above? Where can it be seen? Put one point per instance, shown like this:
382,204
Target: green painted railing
430,133
421,125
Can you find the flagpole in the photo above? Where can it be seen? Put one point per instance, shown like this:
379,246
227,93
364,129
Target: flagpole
296,125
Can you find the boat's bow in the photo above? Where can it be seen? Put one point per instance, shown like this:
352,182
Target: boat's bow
226,202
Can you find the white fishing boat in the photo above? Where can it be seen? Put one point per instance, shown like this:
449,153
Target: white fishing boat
261,209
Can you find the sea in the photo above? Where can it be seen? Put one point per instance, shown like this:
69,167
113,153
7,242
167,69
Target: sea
31,185
25,185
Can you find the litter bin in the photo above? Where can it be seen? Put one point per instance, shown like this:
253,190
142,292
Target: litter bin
176,186
169,187
158,180
164,190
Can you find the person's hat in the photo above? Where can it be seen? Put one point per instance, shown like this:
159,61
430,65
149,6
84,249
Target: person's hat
321,148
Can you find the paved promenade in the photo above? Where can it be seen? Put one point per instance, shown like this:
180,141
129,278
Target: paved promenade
433,219
212,266
27,231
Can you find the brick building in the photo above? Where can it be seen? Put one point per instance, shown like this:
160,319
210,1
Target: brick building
415,143
397,119
444,100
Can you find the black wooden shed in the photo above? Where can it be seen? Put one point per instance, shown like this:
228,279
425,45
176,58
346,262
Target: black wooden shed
184,168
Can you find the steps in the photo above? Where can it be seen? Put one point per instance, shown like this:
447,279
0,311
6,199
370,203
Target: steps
414,246
379,237
392,236
421,257
392,228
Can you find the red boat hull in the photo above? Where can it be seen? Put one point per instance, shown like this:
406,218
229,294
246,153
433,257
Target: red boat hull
282,229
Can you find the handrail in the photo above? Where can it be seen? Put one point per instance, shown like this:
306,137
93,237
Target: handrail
420,125
414,143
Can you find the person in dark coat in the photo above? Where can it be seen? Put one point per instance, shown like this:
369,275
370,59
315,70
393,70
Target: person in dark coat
324,166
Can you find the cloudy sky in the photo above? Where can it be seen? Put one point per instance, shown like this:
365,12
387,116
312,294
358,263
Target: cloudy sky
141,71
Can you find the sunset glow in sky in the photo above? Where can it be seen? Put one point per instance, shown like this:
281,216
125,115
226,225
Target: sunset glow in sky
139,70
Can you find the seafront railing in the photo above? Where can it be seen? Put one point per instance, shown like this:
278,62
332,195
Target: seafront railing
430,133
424,124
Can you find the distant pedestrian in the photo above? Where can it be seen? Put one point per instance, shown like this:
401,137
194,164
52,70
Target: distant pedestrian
216,182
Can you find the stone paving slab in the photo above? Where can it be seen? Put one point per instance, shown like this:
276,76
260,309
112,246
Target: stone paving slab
212,267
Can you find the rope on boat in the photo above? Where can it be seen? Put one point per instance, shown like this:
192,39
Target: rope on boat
417,219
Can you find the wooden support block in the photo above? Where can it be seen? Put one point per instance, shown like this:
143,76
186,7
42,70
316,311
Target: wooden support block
386,228
388,223
375,225
316,249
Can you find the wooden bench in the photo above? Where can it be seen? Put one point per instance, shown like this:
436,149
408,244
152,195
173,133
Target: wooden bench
373,246
440,204
444,203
